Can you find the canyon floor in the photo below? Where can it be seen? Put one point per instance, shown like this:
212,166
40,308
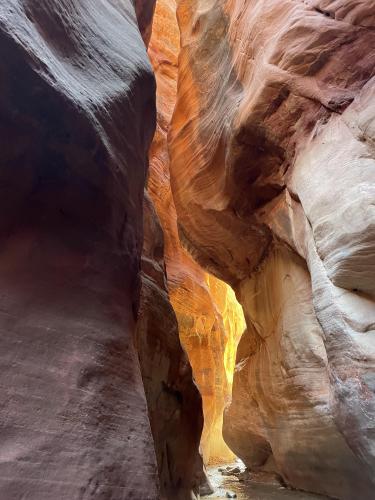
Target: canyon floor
250,490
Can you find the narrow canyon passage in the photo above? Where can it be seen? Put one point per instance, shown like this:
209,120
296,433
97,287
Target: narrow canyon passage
187,249
253,184
210,320
211,323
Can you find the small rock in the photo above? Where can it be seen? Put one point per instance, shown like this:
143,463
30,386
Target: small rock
226,473
220,469
235,470
230,471
244,476
231,494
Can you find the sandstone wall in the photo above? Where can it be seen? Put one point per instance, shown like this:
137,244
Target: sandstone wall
174,402
77,106
272,161
209,318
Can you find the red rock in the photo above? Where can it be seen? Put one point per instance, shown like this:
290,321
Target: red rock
206,308
272,176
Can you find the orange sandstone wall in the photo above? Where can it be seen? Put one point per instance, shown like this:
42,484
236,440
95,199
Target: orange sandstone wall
204,307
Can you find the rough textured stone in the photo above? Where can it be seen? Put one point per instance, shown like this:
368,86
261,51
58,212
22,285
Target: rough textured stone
77,116
272,161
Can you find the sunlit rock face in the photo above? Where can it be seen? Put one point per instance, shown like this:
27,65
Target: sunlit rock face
77,117
272,171
215,341
210,320
201,302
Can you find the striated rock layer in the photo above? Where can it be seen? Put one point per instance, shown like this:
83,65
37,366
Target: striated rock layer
77,117
272,173
210,320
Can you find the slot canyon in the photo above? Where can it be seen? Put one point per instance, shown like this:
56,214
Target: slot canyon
187,249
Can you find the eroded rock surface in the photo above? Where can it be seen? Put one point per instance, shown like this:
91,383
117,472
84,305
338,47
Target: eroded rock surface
77,117
209,318
272,170
174,402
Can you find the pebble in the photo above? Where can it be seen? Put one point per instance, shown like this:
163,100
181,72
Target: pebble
231,494
229,471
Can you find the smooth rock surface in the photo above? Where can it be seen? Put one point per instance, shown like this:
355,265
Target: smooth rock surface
272,161
77,107
174,402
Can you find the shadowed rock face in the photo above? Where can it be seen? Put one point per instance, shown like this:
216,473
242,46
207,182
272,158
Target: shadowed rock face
174,402
77,116
272,170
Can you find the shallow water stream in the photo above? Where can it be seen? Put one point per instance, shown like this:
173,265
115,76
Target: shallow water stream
250,490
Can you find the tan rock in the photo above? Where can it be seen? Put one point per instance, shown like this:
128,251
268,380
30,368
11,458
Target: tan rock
271,160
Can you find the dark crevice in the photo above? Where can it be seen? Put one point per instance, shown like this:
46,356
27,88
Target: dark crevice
325,13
